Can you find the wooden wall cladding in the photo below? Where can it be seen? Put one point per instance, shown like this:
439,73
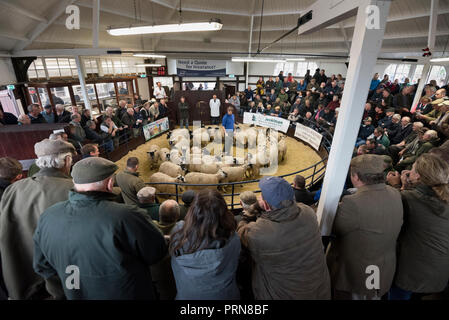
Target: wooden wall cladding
18,141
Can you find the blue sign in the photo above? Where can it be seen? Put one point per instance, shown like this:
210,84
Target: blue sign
200,68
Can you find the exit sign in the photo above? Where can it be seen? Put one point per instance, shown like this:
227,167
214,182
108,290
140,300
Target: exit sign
11,87
143,75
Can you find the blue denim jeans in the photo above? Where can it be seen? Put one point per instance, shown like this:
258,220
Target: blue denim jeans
184,123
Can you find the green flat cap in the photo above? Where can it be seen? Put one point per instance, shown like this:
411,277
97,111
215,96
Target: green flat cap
49,147
93,169
369,164
248,197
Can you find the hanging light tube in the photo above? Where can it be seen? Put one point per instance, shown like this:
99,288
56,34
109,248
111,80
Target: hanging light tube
149,55
165,28
253,59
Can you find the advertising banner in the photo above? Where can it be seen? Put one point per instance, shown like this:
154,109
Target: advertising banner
308,135
200,68
258,119
155,128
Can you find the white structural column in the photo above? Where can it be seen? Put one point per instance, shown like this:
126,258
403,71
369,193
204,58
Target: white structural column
365,47
81,74
431,44
95,22
433,24
422,83
249,50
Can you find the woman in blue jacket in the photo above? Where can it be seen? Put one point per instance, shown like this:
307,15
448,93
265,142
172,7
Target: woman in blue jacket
205,250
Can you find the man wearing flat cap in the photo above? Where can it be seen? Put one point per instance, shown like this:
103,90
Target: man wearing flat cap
285,246
433,115
21,205
112,245
366,227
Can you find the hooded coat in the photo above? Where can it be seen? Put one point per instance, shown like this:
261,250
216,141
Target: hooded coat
288,254
22,204
423,254
208,274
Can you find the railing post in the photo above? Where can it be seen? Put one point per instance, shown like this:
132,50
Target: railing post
177,195
232,197
313,174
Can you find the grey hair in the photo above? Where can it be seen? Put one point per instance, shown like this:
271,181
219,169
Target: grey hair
89,123
397,116
59,107
56,161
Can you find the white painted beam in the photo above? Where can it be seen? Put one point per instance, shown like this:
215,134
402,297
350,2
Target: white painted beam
422,82
8,35
81,73
41,27
63,52
95,22
365,47
22,11
433,24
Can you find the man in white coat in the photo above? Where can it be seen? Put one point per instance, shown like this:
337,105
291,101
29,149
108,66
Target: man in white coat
214,104
159,92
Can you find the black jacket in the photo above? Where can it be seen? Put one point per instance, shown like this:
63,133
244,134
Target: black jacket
304,196
401,134
3,185
8,118
39,119
64,117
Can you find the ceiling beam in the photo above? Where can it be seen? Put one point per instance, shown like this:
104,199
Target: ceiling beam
8,35
232,28
22,11
42,26
64,52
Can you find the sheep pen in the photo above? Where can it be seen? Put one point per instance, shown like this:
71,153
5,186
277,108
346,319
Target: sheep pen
298,156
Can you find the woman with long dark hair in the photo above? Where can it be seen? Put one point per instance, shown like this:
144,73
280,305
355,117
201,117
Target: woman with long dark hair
205,250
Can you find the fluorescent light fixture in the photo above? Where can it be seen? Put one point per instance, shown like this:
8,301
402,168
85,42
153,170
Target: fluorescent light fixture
252,59
296,59
148,55
440,60
148,65
166,28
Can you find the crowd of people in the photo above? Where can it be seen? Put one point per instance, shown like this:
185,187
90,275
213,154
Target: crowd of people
390,236
313,101
108,129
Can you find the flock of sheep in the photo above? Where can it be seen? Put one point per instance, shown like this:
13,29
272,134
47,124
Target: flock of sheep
197,157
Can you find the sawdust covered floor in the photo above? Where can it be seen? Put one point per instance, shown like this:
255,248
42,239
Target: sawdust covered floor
299,156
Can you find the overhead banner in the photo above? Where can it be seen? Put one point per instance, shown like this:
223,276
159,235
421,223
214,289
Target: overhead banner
200,68
155,128
308,135
259,119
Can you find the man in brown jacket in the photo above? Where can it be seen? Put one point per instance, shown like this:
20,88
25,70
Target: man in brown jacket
129,181
20,208
362,258
285,245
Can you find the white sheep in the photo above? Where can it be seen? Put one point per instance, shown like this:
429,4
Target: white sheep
251,137
164,154
236,174
174,135
166,188
204,178
153,155
282,149
171,169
